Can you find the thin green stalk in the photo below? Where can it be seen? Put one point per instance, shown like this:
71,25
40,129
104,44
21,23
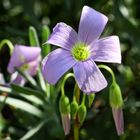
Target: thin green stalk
76,130
109,70
76,122
76,93
64,81
9,44
84,98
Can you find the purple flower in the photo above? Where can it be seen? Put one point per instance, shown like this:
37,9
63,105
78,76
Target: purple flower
81,50
25,58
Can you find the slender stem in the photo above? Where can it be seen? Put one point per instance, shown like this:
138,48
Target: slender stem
9,44
76,130
76,122
109,70
76,93
64,81
84,98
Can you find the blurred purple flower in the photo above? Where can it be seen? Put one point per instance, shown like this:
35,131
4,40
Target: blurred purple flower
81,50
25,58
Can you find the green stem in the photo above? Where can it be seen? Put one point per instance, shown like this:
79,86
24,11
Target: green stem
76,122
64,81
76,93
83,99
9,44
76,130
109,70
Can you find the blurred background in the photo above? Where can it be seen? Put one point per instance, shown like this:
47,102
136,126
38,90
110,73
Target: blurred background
124,20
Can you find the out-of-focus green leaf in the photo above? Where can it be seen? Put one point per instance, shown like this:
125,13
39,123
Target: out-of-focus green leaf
27,77
5,89
32,99
41,81
33,131
27,91
23,106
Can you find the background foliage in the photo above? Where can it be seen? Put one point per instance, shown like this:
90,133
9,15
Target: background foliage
124,20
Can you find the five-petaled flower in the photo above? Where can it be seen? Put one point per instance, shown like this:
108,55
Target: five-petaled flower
81,51
25,58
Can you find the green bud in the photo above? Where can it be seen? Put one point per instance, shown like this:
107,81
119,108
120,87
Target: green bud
91,98
82,112
74,108
33,37
115,96
64,105
45,35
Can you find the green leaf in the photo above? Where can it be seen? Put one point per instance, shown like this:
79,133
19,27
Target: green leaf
28,91
5,89
33,99
33,131
22,105
33,37
41,80
27,77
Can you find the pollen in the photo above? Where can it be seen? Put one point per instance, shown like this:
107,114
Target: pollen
80,51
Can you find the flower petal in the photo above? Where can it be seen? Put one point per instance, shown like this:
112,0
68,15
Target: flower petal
56,64
91,25
66,123
118,119
22,55
63,36
107,50
33,66
17,79
89,77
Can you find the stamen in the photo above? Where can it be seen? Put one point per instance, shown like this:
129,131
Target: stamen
80,51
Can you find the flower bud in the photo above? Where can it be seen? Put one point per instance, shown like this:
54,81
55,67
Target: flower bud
115,96
116,103
91,98
64,107
74,108
118,119
82,112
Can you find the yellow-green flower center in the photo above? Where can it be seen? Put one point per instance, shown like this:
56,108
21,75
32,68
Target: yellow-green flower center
80,51
24,67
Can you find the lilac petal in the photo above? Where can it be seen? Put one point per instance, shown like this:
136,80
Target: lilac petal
89,77
17,79
22,55
56,64
66,123
63,36
118,118
91,25
107,50
33,67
